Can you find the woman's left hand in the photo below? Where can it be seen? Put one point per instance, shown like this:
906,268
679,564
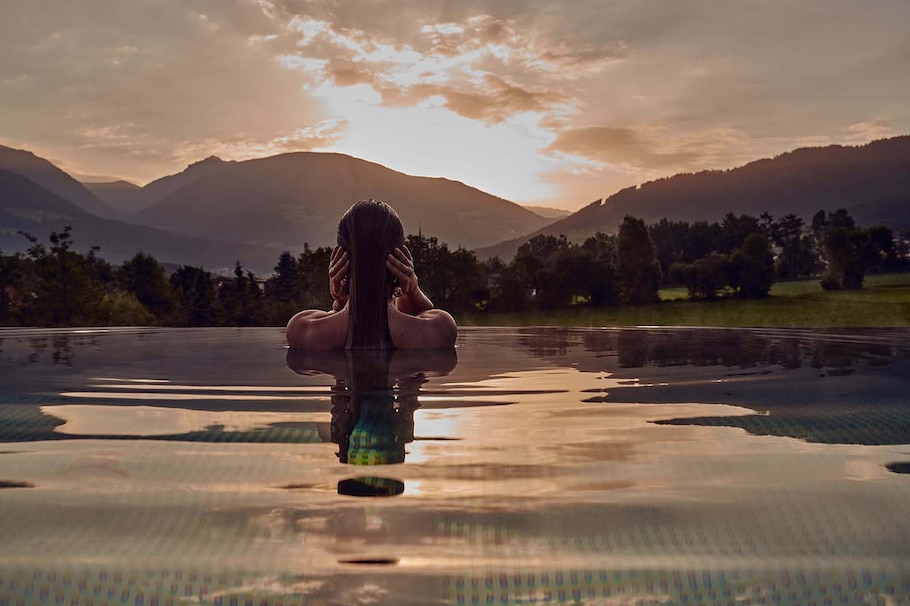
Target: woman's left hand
401,264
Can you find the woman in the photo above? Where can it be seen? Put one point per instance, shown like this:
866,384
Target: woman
377,301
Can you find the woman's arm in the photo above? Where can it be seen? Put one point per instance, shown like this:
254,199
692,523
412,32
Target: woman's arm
431,329
413,322
412,300
317,329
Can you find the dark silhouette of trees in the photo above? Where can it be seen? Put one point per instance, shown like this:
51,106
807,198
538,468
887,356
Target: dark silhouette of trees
705,277
637,268
596,270
147,280
64,287
751,270
849,252
196,292
54,285
241,299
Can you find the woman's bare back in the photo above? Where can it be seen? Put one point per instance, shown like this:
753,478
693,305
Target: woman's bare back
431,329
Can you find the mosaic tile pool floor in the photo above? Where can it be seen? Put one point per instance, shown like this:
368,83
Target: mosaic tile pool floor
530,466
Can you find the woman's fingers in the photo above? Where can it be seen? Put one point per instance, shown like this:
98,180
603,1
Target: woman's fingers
402,270
400,266
405,255
342,271
338,273
339,265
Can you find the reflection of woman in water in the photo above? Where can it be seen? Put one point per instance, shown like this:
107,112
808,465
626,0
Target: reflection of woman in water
378,303
374,397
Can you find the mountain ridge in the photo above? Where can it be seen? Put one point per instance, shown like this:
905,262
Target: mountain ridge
306,193
870,180
52,178
26,206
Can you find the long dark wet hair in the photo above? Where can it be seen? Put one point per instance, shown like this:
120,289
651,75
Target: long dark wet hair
369,230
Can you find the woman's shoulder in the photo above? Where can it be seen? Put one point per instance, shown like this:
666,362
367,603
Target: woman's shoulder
315,329
432,329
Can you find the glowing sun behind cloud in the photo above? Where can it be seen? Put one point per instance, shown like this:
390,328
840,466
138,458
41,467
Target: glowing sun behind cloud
434,105
534,101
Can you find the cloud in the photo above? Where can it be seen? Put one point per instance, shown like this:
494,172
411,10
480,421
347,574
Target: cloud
493,100
577,97
483,67
625,146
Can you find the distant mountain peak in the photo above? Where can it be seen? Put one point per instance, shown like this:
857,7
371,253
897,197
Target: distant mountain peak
51,178
209,161
297,197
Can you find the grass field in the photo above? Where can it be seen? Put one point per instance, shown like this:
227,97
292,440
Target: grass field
885,301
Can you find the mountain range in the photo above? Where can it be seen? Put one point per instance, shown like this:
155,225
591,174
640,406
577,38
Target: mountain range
289,199
54,180
215,212
872,181
128,198
249,210
30,208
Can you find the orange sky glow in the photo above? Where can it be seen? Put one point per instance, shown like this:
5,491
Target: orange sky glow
547,103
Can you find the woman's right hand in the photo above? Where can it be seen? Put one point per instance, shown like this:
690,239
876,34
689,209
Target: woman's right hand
339,266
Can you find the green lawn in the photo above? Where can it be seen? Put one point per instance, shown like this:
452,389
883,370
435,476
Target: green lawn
885,301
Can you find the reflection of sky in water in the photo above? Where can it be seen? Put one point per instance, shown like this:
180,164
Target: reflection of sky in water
546,465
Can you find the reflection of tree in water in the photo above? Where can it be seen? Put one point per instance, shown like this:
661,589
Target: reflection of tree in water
386,387
734,348
835,387
59,347
549,343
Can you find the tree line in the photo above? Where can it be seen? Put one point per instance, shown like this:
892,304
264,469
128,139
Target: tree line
740,256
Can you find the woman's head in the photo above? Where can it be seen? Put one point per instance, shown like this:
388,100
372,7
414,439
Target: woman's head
369,231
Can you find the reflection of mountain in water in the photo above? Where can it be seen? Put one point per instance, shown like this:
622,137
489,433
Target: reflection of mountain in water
372,411
821,386
825,386
838,352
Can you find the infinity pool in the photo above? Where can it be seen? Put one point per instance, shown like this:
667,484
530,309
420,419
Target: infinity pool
530,466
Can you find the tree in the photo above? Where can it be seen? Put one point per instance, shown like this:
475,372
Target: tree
543,265
753,265
637,269
195,291
433,266
507,291
146,279
703,278
848,252
62,287
468,291
883,241
735,230
796,258
285,286
11,274
597,267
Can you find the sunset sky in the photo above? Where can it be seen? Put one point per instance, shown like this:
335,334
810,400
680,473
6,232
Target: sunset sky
543,102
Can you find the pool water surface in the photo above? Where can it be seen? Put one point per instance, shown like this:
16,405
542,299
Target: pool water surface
527,466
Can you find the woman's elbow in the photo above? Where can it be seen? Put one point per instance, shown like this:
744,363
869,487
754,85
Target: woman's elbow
446,329
298,330
295,331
